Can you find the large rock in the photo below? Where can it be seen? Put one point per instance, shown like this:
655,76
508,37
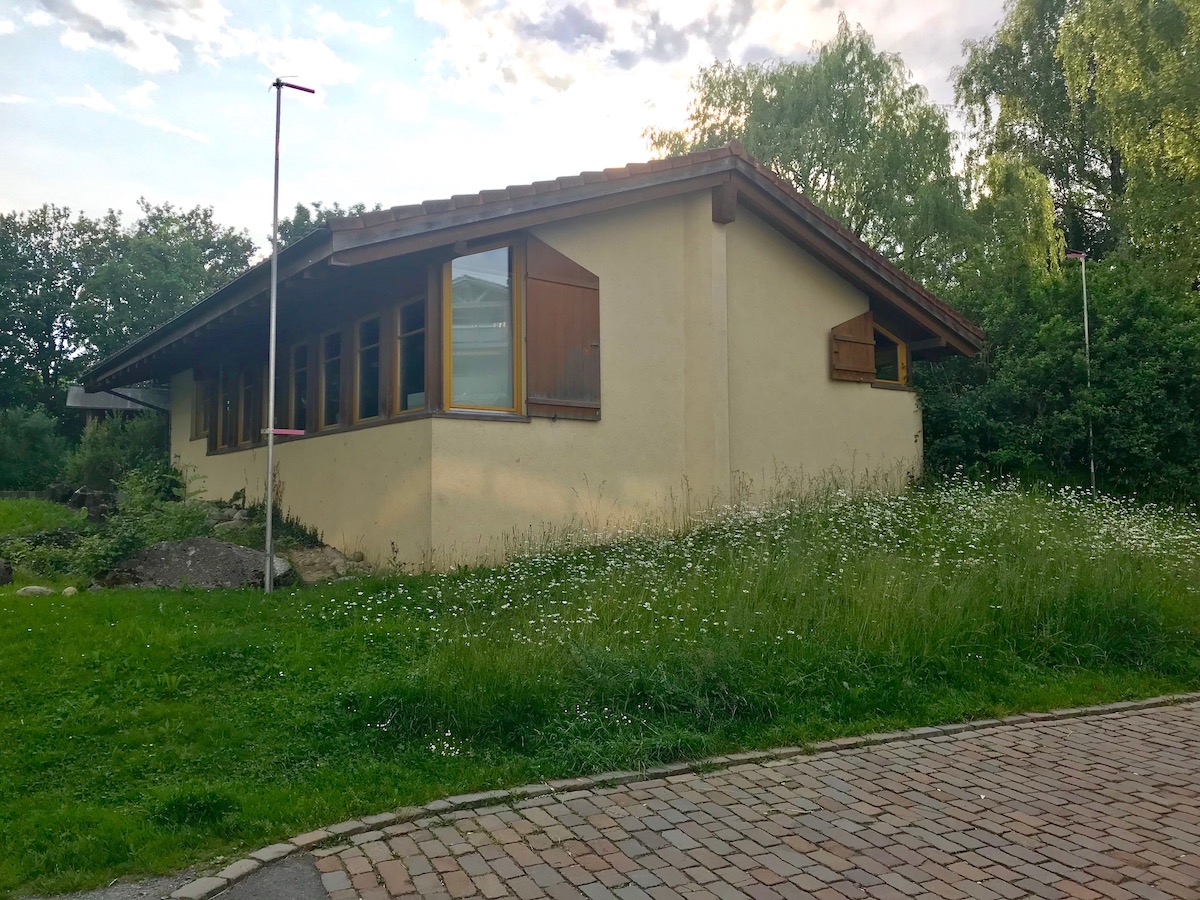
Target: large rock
5,572
35,590
196,562
315,564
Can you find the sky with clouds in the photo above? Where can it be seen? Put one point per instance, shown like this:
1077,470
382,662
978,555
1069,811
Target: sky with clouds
104,101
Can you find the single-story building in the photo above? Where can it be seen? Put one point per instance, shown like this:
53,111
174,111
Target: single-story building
589,351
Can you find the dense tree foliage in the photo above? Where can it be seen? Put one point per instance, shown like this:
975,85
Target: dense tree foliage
1083,132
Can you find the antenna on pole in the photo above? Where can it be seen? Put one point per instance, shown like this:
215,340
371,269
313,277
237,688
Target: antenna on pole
269,580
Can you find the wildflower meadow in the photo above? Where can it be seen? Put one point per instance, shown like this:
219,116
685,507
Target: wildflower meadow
144,731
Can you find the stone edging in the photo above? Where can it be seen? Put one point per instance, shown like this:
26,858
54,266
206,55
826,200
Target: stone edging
371,828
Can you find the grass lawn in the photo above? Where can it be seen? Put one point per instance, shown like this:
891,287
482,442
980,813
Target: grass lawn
144,731
22,517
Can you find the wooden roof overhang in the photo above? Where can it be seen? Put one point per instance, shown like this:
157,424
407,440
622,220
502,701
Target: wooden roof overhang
728,172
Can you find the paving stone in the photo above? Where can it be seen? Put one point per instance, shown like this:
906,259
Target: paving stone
200,889
1086,807
239,869
274,852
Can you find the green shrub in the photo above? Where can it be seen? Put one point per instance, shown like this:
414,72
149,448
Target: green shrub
31,449
148,511
112,448
143,517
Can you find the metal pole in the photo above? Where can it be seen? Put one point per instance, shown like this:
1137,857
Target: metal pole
269,584
1087,360
269,579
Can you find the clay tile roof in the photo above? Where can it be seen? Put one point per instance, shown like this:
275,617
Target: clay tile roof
407,212
377,217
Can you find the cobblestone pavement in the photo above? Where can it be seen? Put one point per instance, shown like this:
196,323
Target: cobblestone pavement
1097,807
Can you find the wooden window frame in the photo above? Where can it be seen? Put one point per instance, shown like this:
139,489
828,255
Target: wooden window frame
398,336
321,385
517,280
902,366
226,427
381,407
202,408
290,418
245,407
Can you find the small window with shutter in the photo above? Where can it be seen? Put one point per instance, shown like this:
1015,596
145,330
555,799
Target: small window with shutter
852,350
562,336
864,351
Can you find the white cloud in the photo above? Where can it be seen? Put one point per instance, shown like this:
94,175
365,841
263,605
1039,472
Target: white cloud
328,22
401,101
91,99
15,98
39,18
140,96
7,26
143,35
163,125
151,37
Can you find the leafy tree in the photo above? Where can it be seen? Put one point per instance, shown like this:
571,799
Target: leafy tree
1013,89
852,132
165,262
46,259
1139,62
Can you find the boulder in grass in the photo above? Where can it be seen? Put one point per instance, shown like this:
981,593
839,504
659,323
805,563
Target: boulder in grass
35,590
196,562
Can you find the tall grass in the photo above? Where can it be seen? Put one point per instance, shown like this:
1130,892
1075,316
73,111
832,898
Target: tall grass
141,731
823,609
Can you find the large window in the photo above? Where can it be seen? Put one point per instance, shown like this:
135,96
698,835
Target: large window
331,379
367,369
411,359
481,311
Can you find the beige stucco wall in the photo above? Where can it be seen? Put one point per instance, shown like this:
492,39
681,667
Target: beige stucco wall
788,421
495,483
714,375
364,490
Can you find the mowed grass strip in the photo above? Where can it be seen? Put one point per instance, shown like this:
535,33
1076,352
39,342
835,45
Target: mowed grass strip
21,517
145,731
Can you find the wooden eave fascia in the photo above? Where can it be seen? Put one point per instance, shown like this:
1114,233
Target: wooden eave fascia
808,229
119,368
370,243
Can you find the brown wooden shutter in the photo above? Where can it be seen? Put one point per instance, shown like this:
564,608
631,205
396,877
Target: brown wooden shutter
852,349
562,316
